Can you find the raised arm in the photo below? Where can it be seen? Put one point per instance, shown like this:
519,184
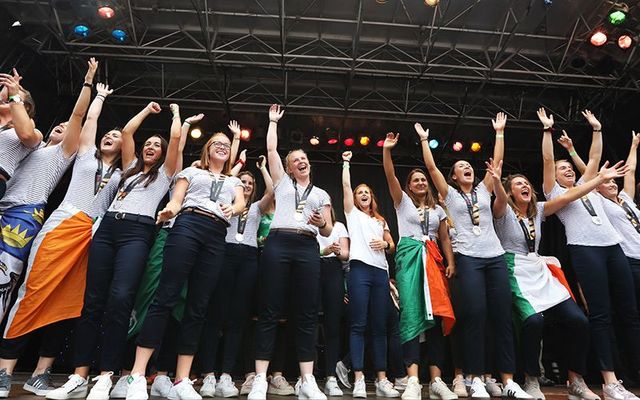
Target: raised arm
500,202
445,243
389,171
275,162
71,141
184,134
234,127
436,176
22,122
576,192
549,167
128,144
347,192
595,152
566,142
498,148
173,149
90,127
630,177
267,197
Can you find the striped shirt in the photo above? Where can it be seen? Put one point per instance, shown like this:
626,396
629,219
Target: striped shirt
105,196
143,200
285,193
36,177
12,151
250,233
81,191
199,191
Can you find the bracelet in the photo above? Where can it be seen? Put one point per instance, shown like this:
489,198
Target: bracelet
275,122
424,139
323,225
187,122
89,85
573,153
346,165
548,129
499,136
240,161
597,131
101,97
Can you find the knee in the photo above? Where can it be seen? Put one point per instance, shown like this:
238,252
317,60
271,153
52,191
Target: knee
535,323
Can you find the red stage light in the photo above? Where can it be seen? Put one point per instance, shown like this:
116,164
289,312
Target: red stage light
245,134
332,141
624,42
598,38
380,143
457,146
106,12
349,142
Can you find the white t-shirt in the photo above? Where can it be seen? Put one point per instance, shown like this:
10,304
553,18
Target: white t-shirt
199,190
142,200
485,245
339,231
250,232
511,234
409,219
618,217
363,229
285,194
578,224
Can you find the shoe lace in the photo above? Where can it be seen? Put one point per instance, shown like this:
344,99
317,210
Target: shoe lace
210,379
386,385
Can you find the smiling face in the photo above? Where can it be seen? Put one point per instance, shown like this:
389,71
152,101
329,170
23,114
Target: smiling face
249,184
152,150
418,184
298,164
57,134
608,189
111,142
463,173
363,196
219,149
565,176
520,190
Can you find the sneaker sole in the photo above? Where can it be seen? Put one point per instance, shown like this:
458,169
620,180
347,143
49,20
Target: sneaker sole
220,394
281,392
436,397
4,393
359,395
156,393
574,397
203,394
77,395
380,394
29,388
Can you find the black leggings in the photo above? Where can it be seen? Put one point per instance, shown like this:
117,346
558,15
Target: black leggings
332,293
435,347
52,336
289,259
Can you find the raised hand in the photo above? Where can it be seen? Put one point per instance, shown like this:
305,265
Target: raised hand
234,127
494,170
547,121
635,139
103,90
593,121
154,108
424,134
500,122
346,156
391,140
243,157
11,83
262,162
565,141
194,119
175,110
92,67
616,171
275,113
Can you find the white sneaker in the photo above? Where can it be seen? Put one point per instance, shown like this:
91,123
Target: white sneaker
532,386
101,387
438,390
247,384
184,391
513,391
413,389
359,389
459,386
401,383
309,389
493,387
343,374
137,388
74,388
384,388
296,387
120,389
478,390
208,388
331,387
161,386
226,387
259,388
278,385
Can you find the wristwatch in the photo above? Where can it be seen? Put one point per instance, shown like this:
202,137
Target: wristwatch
16,99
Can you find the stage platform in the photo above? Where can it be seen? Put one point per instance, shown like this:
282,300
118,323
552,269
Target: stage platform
551,393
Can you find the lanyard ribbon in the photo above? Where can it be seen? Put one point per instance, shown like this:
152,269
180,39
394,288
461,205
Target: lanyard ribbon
301,201
423,214
101,180
529,231
216,186
587,204
631,216
472,206
242,221
124,192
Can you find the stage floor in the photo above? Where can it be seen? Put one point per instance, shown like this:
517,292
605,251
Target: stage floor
551,393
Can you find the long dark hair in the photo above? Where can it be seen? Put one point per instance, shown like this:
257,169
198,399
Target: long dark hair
430,199
532,209
253,193
152,175
454,183
117,162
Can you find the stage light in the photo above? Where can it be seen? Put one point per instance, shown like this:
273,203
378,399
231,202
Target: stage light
349,142
106,12
598,38
195,133
624,42
364,140
119,35
380,143
245,134
314,141
475,147
332,141
433,143
431,3
16,24
81,30
548,2
457,146
618,14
